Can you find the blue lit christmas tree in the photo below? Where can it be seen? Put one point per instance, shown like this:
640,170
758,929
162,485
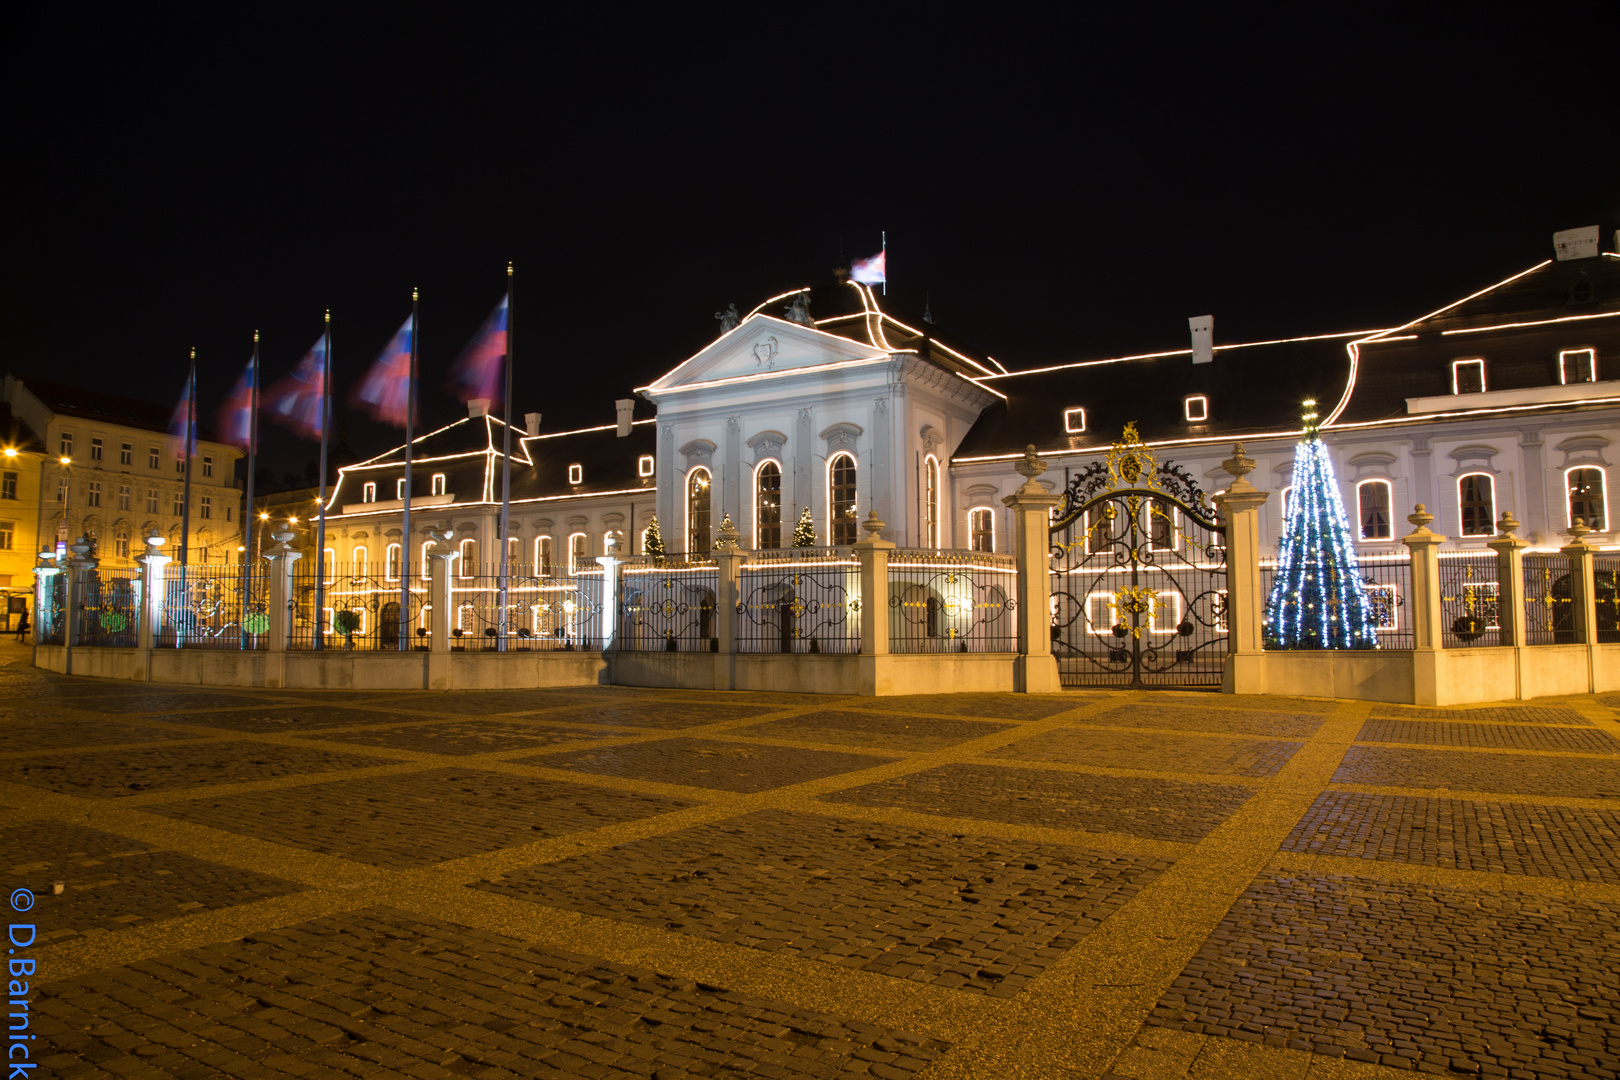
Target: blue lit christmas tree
1318,600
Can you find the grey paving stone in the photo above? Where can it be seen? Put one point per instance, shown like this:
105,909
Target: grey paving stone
1154,751
1161,809
1495,735
668,715
877,730
63,733
1511,714
1448,980
709,763
117,773
1209,717
1517,774
966,912
982,706
467,736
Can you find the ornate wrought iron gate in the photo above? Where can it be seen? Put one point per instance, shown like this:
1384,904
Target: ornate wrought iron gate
1138,575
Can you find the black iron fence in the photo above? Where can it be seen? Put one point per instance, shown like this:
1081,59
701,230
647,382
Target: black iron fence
358,610
669,604
204,607
952,601
110,608
805,600
1606,593
1388,581
50,620
1549,617
1470,615
543,611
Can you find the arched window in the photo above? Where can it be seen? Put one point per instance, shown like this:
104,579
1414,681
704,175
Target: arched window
469,558
1372,504
329,567
542,556
391,562
1588,497
1476,504
427,571
842,526
576,552
698,490
359,559
514,550
768,505
982,529
931,501
1282,503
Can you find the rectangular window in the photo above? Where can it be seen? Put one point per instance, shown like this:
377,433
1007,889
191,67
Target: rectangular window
1577,366
179,504
95,449
126,453
982,529
67,444
1476,499
1161,525
179,463
121,546
644,465
543,555
1074,421
1382,607
208,465
391,563
368,493
123,496
399,489
206,509
227,511
8,485
61,491
438,483
151,500
576,552
1372,498
151,457
93,496
1468,376
1587,498
1196,408
576,474
8,533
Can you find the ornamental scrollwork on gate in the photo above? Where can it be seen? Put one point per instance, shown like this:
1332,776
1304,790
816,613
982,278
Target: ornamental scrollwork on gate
1131,465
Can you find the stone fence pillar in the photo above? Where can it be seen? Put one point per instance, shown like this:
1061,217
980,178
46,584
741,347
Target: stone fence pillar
442,623
154,590
1582,594
728,562
1426,612
1245,603
280,601
1037,671
79,565
873,555
1509,580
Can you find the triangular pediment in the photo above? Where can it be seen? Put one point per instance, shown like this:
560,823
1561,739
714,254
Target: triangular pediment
761,344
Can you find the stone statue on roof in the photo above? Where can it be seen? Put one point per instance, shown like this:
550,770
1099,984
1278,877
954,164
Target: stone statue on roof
729,318
799,310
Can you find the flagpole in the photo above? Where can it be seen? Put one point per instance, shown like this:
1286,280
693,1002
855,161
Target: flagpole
185,443
320,519
506,471
405,523
885,263
253,460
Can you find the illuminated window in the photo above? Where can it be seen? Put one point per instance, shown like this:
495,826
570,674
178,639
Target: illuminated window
576,474
1372,502
438,483
1588,497
1476,504
95,449
1282,502
644,465
469,558
1195,408
931,501
427,571
1577,366
329,566
1074,421
542,555
359,557
514,549
1468,376
697,510
576,553
842,526
466,617
126,453
8,533
768,505
391,567
368,493
982,529
1162,520
399,489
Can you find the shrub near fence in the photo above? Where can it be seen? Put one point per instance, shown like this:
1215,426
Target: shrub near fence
952,601
799,600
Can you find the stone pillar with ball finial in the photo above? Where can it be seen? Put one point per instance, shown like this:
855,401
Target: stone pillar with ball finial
1424,603
728,560
1582,594
1509,580
1239,506
1032,504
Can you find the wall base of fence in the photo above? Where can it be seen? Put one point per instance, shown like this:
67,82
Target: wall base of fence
823,673
1437,677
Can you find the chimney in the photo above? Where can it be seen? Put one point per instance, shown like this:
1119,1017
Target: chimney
1203,335
624,406
531,421
478,406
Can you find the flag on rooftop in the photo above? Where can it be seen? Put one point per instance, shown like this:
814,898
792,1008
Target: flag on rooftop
236,412
477,371
385,392
296,399
871,271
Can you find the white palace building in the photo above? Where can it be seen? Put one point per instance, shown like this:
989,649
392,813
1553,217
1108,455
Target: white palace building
831,398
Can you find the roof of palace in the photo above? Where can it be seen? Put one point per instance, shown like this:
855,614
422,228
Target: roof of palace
76,401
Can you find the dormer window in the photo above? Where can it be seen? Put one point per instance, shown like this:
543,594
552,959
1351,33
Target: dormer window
576,474
1195,408
368,493
399,489
438,484
1577,366
644,465
1468,376
1074,421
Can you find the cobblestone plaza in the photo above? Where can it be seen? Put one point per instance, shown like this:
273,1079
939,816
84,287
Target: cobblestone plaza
616,882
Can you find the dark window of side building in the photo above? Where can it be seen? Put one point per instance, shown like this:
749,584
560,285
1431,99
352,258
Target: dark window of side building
1468,377
8,485
1372,499
1476,495
95,449
768,506
126,454
1577,366
982,529
843,526
697,511
1587,499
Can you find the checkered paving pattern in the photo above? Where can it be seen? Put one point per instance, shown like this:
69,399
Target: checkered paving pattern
612,882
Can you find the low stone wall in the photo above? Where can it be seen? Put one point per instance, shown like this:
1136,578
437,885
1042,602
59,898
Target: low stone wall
819,673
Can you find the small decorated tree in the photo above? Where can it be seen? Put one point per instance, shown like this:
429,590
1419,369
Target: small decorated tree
804,532
1318,600
652,541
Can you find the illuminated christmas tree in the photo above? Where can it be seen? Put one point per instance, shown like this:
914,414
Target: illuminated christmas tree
1318,600
652,541
804,532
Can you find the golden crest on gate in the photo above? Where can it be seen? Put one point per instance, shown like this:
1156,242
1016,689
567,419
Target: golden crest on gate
1131,463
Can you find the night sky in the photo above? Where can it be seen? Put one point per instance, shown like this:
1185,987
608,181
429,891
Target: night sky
1058,190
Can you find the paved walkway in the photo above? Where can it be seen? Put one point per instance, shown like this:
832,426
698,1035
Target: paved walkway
626,883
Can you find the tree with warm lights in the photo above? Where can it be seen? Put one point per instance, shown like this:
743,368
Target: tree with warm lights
804,532
1318,600
652,541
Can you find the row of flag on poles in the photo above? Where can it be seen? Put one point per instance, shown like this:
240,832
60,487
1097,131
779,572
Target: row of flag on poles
297,399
